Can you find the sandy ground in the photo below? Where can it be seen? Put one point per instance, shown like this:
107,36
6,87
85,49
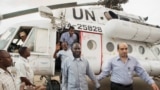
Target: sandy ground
138,84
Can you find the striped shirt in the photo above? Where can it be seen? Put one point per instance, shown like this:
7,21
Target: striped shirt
7,81
74,74
123,72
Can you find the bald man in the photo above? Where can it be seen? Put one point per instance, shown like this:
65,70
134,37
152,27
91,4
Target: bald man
122,68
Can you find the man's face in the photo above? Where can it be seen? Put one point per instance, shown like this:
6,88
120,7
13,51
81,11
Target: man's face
5,59
23,36
71,32
76,49
27,52
64,46
123,50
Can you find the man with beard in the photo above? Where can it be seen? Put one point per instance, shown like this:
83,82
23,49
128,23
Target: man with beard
122,68
74,71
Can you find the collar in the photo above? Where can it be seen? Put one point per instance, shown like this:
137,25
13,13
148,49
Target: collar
3,71
118,58
23,59
78,59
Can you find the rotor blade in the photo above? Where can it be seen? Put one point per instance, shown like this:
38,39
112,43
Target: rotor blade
33,10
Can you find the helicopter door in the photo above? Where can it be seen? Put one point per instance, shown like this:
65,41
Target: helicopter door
91,44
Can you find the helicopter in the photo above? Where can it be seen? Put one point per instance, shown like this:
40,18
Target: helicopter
99,30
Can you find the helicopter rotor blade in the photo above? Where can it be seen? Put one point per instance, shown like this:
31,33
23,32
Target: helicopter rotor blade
33,10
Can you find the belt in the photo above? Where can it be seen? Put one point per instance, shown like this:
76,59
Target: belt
118,84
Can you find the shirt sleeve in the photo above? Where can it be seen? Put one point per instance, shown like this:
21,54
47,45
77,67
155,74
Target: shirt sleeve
62,37
58,54
143,74
106,70
91,75
21,70
1,86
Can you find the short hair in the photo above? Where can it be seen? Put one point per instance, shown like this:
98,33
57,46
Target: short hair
65,42
1,52
119,45
22,50
74,44
71,27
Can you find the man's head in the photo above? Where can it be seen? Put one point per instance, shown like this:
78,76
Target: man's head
76,50
23,35
64,45
5,59
71,30
122,49
24,52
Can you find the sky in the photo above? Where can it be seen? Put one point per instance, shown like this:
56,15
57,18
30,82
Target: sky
142,8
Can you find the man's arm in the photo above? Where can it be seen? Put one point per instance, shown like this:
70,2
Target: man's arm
145,76
56,51
26,81
21,71
62,37
1,86
91,75
106,70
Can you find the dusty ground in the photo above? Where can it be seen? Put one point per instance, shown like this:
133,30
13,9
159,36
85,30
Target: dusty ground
138,84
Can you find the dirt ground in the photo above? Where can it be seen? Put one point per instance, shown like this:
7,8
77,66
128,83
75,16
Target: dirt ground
138,84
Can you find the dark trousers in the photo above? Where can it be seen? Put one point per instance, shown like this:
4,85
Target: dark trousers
117,86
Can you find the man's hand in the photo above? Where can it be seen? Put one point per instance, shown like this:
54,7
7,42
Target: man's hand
24,87
154,86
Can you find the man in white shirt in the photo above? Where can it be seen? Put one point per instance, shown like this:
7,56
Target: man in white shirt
24,71
63,54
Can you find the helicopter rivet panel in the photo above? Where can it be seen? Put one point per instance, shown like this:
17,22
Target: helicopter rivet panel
116,28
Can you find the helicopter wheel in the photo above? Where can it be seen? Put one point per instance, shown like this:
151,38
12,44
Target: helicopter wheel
53,85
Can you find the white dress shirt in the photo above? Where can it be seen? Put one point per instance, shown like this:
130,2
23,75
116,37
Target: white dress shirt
64,54
23,69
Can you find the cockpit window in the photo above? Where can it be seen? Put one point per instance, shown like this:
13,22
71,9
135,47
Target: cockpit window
37,40
6,37
110,15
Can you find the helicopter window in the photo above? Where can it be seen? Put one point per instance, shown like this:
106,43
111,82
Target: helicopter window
110,46
109,15
129,48
91,44
123,18
30,40
157,51
19,39
141,50
6,37
38,40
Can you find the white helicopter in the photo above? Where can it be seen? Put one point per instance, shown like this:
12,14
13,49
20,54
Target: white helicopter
99,29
